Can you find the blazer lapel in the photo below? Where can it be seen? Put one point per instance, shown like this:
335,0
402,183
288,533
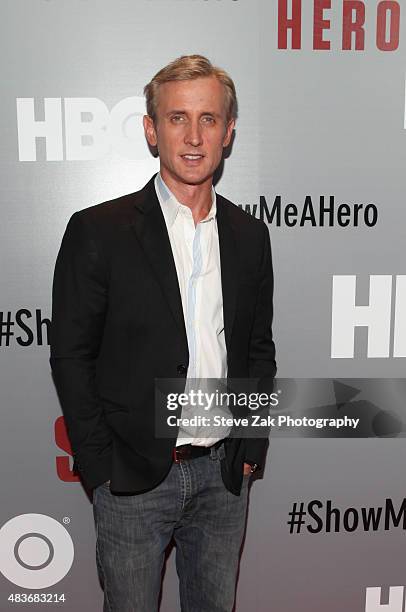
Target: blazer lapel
229,268
150,229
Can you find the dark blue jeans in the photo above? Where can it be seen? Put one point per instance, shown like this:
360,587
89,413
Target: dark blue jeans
206,521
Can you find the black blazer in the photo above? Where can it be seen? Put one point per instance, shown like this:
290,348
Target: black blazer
117,324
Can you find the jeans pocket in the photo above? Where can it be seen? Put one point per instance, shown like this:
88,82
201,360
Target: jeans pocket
103,485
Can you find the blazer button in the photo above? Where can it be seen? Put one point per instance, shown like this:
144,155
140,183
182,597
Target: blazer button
182,369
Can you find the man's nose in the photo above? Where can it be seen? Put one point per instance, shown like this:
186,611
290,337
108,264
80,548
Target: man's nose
193,134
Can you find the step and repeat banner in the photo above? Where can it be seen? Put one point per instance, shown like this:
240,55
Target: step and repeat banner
319,156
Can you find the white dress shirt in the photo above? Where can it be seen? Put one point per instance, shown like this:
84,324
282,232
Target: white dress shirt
197,260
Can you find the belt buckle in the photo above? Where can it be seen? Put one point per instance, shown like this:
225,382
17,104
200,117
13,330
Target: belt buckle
178,454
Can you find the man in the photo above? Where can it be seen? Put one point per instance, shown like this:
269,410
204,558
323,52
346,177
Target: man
173,281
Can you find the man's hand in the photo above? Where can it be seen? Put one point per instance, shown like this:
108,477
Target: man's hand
247,469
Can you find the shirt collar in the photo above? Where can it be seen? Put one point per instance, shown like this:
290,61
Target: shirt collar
171,206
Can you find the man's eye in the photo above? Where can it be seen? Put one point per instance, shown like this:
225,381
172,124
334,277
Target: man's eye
208,119
177,118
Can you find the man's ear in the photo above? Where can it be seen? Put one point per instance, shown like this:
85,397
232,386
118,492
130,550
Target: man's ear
149,129
229,132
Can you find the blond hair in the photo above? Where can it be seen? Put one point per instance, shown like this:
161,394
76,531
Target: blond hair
186,68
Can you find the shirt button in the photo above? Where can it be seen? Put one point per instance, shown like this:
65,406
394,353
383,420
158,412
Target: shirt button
181,369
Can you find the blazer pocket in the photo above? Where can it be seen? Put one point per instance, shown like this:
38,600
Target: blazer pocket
110,406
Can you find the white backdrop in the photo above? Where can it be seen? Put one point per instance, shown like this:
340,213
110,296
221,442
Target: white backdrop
316,121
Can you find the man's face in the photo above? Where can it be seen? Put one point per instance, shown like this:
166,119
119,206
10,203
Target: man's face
190,130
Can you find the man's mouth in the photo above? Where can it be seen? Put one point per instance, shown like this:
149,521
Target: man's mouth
192,157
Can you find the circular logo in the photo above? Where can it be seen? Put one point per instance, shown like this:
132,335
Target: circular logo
35,551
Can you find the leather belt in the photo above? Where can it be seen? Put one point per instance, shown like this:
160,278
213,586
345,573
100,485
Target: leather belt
186,452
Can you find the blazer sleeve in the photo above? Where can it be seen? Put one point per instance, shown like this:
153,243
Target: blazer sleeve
79,305
261,356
